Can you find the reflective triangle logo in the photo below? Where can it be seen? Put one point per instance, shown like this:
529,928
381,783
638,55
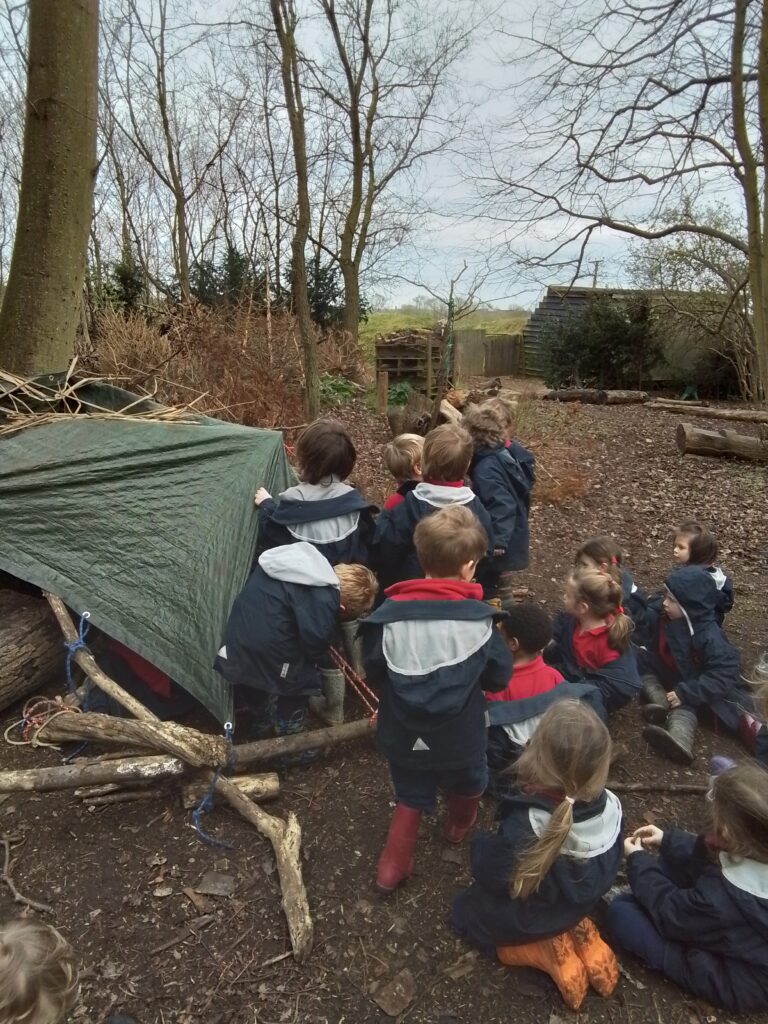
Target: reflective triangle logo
420,745
223,652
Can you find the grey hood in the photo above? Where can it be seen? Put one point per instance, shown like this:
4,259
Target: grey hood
299,563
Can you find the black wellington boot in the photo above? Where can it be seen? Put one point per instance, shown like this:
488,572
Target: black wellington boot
676,740
653,701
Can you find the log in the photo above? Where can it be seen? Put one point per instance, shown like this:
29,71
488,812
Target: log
285,836
31,651
681,403
411,418
449,413
73,776
692,440
738,415
590,396
255,787
247,754
626,397
657,787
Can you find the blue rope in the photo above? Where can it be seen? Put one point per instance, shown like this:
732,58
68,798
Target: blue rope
78,645
206,804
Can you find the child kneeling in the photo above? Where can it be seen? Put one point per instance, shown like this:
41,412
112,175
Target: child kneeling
431,649
556,853
280,628
699,912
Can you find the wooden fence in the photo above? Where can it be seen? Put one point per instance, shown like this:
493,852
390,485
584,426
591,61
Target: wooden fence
477,354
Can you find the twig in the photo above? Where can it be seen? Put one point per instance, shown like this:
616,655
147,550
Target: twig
41,908
657,787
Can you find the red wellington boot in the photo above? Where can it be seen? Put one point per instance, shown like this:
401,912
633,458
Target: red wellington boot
396,860
462,815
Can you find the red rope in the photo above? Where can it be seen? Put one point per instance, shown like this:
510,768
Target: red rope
361,688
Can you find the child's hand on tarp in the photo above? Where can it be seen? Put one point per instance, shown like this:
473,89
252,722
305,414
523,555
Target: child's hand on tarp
261,495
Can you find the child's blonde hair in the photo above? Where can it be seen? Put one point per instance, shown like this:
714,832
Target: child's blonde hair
602,592
570,752
447,453
38,976
740,810
358,588
402,454
485,425
447,540
506,411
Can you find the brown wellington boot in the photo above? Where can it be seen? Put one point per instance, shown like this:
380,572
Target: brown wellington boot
557,958
597,956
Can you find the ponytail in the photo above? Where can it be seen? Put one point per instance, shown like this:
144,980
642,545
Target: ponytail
620,631
602,592
533,866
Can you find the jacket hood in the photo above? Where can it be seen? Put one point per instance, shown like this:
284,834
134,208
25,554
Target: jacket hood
695,591
442,495
299,563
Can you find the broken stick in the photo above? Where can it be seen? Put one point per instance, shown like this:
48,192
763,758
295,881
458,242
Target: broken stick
657,787
72,776
42,908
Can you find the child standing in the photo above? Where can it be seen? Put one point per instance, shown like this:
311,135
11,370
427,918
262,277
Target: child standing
431,649
695,545
402,457
699,912
38,975
506,413
515,712
592,638
322,509
281,625
605,554
556,853
689,665
504,487
445,461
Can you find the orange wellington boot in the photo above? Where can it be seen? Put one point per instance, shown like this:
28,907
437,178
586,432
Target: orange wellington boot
597,956
557,958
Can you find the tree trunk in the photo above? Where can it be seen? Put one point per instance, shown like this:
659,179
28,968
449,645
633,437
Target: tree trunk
626,397
41,307
31,649
591,396
693,441
739,415
284,18
351,320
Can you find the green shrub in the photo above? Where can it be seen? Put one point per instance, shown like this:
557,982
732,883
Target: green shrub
335,390
399,392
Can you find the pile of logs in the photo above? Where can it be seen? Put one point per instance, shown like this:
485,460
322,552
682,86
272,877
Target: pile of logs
162,750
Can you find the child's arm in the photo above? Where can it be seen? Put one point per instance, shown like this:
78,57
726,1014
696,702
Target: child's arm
719,675
392,539
498,667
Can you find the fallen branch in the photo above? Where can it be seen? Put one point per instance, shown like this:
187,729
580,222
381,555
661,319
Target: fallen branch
124,796
694,441
742,415
657,787
255,787
94,773
591,396
42,908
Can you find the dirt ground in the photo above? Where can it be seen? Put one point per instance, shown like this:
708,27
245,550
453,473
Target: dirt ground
121,879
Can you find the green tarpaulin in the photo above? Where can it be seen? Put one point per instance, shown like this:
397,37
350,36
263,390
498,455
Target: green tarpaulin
149,526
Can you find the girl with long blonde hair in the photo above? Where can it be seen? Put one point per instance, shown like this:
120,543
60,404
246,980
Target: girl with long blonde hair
556,853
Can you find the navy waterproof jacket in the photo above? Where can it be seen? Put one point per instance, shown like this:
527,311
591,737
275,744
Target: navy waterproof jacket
618,681
282,622
706,672
394,555
487,916
714,916
430,660
503,484
334,517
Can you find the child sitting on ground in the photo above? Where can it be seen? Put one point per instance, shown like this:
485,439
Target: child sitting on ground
280,628
698,913
515,712
38,976
605,554
689,665
695,545
445,461
556,853
322,509
504,488
431,649
592,638
402,457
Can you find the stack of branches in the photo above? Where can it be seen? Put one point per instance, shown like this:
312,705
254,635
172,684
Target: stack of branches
164,750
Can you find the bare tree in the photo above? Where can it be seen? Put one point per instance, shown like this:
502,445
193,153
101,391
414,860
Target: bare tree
626,110
41,305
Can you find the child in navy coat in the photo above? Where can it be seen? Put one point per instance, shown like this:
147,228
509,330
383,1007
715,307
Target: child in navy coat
322,509
555,854
698,913
281,625
592,639
605,554
503,485
689,665
431,649
515,712
402,457
445,461
695,545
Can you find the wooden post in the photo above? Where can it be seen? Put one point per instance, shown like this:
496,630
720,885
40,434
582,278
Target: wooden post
382,392
428,371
